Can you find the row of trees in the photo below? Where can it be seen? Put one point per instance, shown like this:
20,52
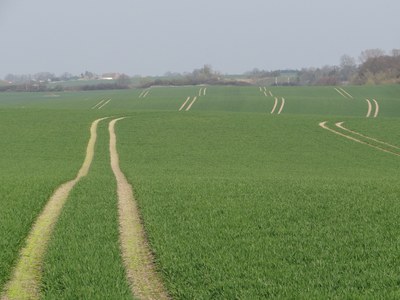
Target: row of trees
204,75
374,66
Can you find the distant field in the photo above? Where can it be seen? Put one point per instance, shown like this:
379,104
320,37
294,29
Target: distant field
236,201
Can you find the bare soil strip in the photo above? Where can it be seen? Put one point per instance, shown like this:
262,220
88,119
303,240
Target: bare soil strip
204,91
265,93
271,93
200,92
142,93
191,103
343,95
376,108
323,125
275,104
282,105
98,104
26,277
265,88
340,125
145,282
184,103
369,108
344,91
260,89
104,104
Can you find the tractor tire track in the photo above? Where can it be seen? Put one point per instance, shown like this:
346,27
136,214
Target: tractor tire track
275,104
26,277
104,104
137,257
323,125
184,103
376,108
98,104
340,125
282,105
348,94
343,95
191,103
369,108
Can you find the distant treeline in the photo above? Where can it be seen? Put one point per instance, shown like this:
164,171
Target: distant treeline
205,75
34,87
374,67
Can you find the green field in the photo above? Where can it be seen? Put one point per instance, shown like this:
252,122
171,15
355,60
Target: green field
237,202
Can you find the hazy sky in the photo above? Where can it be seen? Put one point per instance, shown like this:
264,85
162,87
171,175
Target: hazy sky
150,37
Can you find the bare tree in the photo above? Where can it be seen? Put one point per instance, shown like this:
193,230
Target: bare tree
396,52
370,53
348,67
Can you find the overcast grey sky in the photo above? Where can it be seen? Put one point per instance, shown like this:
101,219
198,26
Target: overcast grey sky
150,37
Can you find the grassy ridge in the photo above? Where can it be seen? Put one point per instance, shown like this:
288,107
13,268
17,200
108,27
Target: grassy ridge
83,260
240,205
38,152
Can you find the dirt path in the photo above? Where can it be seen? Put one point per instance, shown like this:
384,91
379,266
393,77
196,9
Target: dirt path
200,92
323,125
204,91
271,93
340,125
26,277
191,103
146,94
376,108
104,104
265,93
184,103
275,104
369,108
142,93
282,105
136,254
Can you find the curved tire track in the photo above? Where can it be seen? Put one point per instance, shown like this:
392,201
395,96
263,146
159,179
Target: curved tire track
323,125
275,104
136,254
340,125
376,108
369,108
282,105
26,278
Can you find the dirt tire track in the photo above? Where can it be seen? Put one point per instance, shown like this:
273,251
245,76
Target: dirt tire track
275,104
340,125
98,104
348,94
376,108
343,95
282,105
26,277
137,257
104,104
184,103
369,108
323,125
191,103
